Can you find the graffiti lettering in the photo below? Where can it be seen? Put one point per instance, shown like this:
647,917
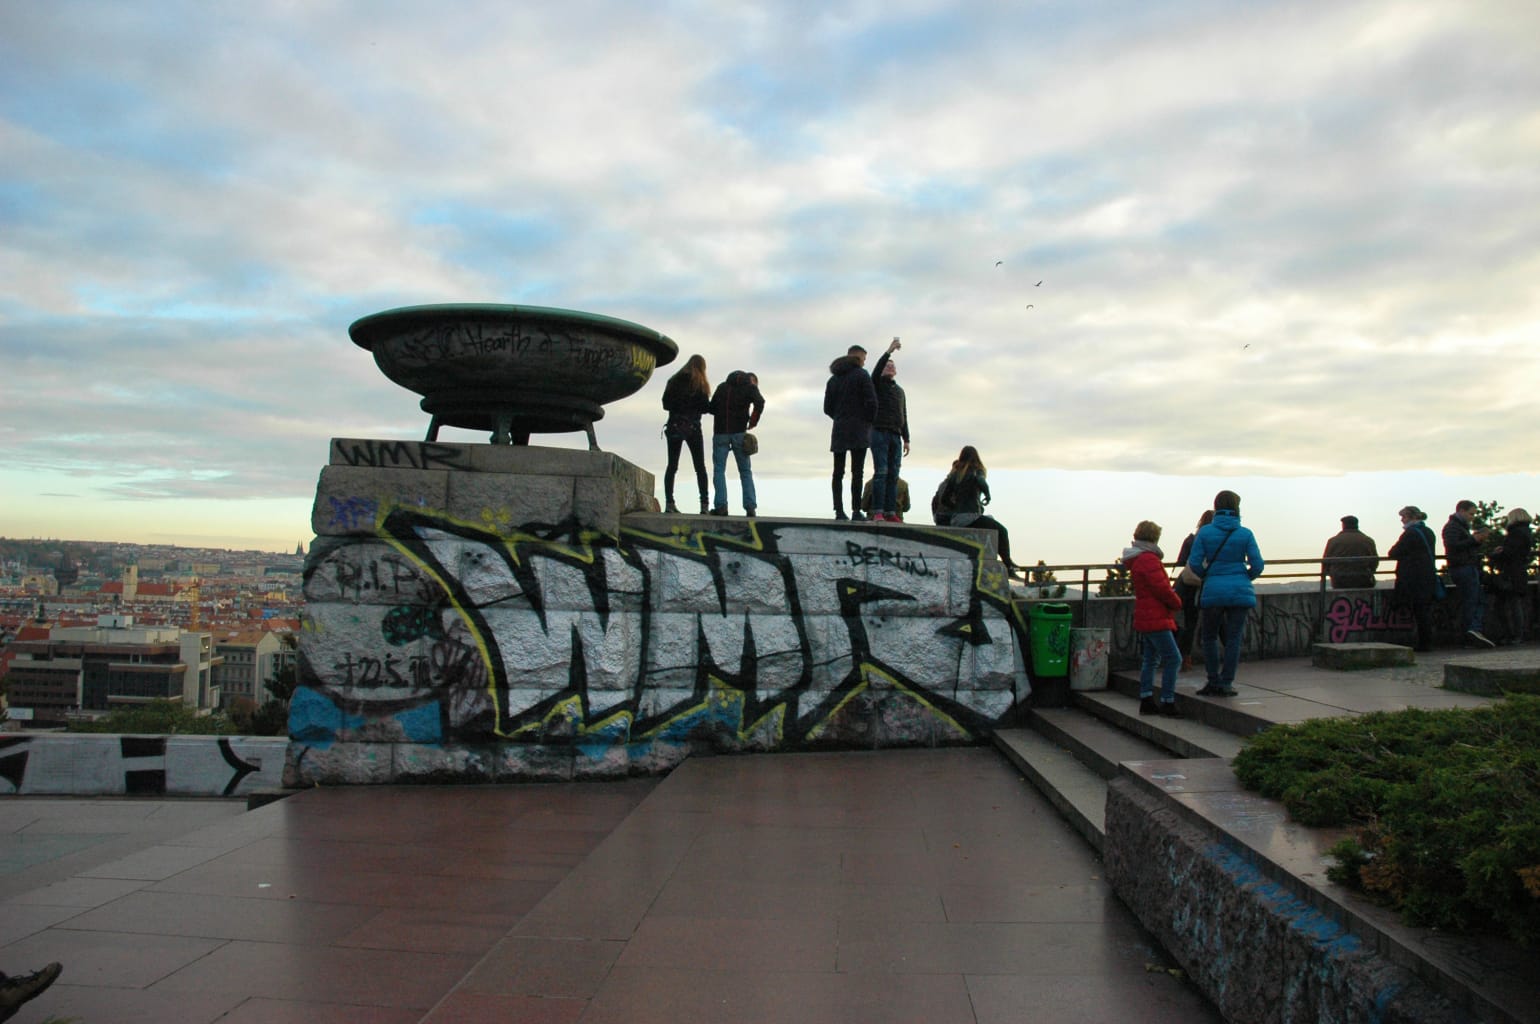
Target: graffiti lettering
393,454
1354,615
351,513
873,555
755,633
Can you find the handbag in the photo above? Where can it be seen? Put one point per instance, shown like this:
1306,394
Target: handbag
1189,578
750,444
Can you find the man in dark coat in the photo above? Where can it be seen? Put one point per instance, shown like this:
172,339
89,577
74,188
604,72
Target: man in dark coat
1351,557
1416,575
851,402
890,436
1462,557
735,410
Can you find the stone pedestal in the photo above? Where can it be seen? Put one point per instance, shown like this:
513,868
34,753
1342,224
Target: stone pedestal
1350,657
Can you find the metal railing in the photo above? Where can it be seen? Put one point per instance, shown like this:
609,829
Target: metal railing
1277,570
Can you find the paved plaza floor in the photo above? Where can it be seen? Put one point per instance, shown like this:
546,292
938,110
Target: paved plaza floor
914,885
907,885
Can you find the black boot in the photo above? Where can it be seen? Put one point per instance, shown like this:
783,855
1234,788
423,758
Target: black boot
856,515
839,502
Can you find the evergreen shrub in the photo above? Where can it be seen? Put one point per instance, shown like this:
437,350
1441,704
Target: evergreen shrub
1445,806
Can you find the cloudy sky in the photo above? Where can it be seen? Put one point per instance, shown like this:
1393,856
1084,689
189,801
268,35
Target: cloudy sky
1289,248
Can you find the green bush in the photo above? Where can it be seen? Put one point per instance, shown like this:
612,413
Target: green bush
1445,805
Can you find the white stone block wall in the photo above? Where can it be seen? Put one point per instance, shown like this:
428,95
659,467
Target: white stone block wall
479,606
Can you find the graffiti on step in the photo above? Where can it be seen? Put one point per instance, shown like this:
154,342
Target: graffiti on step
768,632
133,765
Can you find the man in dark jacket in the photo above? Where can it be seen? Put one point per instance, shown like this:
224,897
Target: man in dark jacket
735,409
1351,557
1416,575
1462,556
890,437
851,402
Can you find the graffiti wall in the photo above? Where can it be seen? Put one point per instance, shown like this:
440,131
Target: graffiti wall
87,764
484,642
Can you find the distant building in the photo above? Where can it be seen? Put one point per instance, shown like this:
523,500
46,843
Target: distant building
245,662
80,669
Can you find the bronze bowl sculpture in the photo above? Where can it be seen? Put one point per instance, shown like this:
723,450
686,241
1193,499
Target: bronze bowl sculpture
513,370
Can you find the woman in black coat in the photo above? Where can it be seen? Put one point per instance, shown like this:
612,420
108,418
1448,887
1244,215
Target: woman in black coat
1510,565
687,397
1416,573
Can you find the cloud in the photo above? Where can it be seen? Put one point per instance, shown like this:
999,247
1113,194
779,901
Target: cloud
1284,240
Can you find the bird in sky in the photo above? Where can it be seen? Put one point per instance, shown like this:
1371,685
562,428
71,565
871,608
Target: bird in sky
1038,285
998,262
1029,305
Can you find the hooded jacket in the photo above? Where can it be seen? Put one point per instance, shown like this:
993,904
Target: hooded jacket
736,405
1225,555
851,402
1416,573
1154,601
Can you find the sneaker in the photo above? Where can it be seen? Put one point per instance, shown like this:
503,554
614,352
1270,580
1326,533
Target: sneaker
894,517
19,988
1209,690
840,516
749,512
1147,706
1225,691
719,511
1168,710
1476,638
858,517
879,517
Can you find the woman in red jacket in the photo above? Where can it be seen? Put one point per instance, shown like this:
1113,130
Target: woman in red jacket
1155,605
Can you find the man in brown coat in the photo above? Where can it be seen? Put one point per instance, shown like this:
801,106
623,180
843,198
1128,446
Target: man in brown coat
1351,557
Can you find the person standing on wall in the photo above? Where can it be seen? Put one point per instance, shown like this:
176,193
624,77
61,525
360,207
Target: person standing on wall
735,409
1416,573
1155,605
1510,565
686,397
1462,556
1226,558
1350,557
890,437
851,402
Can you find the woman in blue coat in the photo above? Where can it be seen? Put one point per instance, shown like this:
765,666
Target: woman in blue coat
1225,555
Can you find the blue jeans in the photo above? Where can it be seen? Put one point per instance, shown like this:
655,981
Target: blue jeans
1467,581
721,444
887,456
1159,646
1225,625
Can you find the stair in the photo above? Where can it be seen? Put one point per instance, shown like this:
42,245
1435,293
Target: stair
1070,753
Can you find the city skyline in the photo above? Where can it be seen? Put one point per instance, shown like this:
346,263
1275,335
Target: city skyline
1136,254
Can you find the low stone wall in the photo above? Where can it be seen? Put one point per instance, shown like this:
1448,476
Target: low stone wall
101,764
1237,895
1288,624
521,614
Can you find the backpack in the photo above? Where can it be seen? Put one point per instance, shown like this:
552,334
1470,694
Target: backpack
943,501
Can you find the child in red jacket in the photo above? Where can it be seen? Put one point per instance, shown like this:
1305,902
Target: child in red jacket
1154,620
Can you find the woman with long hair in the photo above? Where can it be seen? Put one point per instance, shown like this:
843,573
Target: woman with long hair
968,485
687,397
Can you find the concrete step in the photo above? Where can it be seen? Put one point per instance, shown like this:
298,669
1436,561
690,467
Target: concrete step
1101,745
1224,713
1182,737
1075,791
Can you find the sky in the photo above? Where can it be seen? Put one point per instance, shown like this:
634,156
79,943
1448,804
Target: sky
1137,252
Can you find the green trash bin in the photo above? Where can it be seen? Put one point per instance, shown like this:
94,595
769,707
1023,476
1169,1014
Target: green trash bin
1048,623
